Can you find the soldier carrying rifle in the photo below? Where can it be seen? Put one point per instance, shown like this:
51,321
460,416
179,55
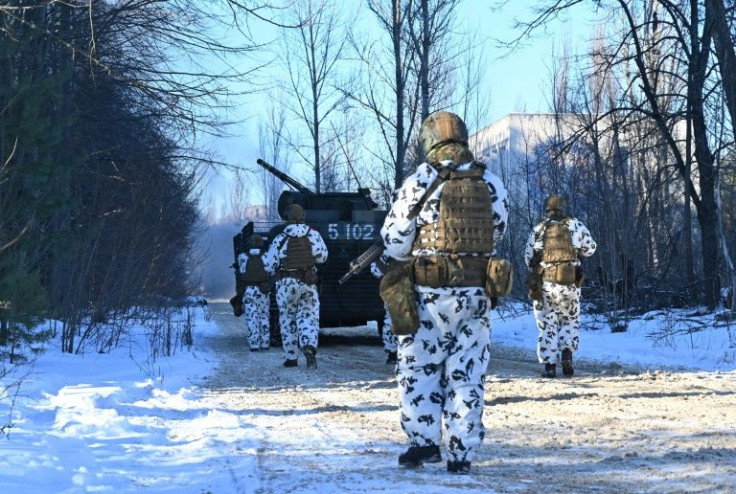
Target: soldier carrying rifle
446,222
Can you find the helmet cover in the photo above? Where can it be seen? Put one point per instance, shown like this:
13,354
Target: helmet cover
440,128
555,206
295,214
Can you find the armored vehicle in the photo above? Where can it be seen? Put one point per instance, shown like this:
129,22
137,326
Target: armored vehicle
349,223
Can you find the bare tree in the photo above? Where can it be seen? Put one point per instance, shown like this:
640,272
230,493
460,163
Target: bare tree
422,76
687,39
474,98
270,138
387,93
312,53
100,110
430,31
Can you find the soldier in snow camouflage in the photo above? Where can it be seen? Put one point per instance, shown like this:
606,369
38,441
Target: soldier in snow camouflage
554,247
255,294
292,257
441,367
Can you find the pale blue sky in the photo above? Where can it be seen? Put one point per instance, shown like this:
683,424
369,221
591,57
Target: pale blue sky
517,81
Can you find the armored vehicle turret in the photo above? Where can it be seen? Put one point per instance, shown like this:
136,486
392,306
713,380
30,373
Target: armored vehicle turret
349,223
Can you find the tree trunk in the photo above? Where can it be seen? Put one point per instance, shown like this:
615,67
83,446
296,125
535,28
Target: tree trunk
707,212
400,86
724,49
424,58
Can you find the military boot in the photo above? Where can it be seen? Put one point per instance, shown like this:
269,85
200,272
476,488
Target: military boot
416,455
290,363
550,370
309,353
392,358
458,467
567,368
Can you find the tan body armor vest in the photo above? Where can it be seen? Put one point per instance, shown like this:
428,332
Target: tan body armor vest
465,224
299,253
557,242
299,262
559,253
255,272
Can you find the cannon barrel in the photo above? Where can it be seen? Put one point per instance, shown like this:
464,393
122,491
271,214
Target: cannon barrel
286,178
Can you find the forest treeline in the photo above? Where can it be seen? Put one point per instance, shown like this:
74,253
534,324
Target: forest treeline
98,201
641,143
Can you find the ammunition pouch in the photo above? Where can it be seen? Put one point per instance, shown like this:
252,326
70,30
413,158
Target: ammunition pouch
494,274
450,271
397,292
305,275
237,304
563,273
534,284
499,277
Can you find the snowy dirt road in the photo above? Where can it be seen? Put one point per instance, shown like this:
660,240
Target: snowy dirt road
608,429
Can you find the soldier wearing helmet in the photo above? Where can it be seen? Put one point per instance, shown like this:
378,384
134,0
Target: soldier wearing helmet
552,252
444,136
293,257
463,209
256,285
554,206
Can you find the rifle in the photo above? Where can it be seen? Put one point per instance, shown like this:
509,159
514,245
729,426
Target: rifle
365,259
374,252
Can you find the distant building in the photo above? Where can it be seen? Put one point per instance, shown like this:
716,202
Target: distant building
528,151
606,170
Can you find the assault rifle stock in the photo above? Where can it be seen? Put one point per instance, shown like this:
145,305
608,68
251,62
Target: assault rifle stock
365,259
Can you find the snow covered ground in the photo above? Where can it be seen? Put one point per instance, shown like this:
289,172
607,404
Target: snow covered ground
219,420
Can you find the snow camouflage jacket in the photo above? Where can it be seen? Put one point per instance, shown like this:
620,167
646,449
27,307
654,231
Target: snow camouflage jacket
276,254
582,242
398,232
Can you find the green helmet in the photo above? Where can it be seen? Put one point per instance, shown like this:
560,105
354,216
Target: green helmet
442,127
295,214
554,206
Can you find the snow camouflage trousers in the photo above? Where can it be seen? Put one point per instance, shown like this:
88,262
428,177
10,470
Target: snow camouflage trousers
390,341
255,304
298,315
558,320
441,371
